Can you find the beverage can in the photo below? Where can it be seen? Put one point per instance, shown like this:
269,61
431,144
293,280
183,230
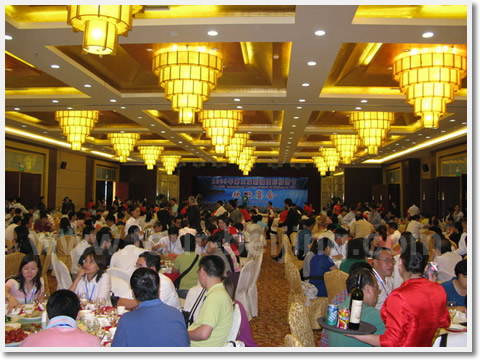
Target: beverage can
332,314
343,318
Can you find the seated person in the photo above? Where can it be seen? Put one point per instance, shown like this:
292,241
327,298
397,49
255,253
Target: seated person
456,288
184,262
304,238
168,295
320,264
169,244
27,284
62,331
355,253
92,279
212,326
370,314
153,323
305,272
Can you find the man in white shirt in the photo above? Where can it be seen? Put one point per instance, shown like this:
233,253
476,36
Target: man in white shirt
113,228
174,206
413,210
349,219
9,231
87,241
445,258
383,268
16,204
186,229
126,258
9,217
157,233
414,226
339,250
457,214
133,220
170,244
462,243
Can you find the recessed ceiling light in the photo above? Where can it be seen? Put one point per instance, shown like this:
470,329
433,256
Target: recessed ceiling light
122,131
394,150
413,142
364,101
334,133
55,66
452,120
276,57
390,68
419,134
428,34
311,63
87,85
16,109
239,107
407,139
8,37
320,32
305,84
24,126
149,49
122,107
55,101
296,117
249,132
171,137
292,132
299,107
113,100
152,125
427,137
163,131
358,108
180,142
236,99
397,144
212,33
139,117
294,125
301,100
406,50
69,108
45,132
443,131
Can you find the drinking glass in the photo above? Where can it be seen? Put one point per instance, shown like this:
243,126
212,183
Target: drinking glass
452,309
83,299
42,300
100,303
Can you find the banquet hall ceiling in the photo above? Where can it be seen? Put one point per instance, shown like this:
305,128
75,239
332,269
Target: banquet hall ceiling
265,50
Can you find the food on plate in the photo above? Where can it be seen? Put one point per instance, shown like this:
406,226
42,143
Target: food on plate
15,336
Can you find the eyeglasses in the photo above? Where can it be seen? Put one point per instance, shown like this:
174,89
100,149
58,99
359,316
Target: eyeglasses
388,261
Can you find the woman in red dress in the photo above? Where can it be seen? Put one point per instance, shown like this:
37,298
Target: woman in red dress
413,312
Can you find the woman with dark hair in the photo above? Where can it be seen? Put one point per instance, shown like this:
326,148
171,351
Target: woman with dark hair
27,284
320,264
23,240
92,279
355,253
413,312
65,227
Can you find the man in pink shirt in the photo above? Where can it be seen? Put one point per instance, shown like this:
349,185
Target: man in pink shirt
62,330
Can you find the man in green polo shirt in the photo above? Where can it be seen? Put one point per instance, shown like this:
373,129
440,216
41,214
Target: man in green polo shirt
212,327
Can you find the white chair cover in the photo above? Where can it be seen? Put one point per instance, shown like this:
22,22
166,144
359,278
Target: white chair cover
64,280
190,299
236,321
244,282
119,273
120,287
253,290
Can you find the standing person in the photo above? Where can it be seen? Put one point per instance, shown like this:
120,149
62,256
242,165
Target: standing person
62,331
193,214
292,218
174,206
271,217
413,312
212,326
153,323
304,238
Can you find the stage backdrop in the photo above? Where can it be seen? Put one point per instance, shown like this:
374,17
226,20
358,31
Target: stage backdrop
260,190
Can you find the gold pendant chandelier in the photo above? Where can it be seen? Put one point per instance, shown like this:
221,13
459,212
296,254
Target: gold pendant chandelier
331,157
429,79
220,126
237,143
321,165
246,167
77,125
188,76
150,155
372,127
245,155
346,145
170,162
101,24
123,144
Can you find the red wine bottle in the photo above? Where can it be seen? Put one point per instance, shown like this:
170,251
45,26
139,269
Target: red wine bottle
356,304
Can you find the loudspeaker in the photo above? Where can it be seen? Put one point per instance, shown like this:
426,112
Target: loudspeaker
63,165
425,167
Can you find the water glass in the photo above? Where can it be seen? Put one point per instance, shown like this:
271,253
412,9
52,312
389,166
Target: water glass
452,309
83,299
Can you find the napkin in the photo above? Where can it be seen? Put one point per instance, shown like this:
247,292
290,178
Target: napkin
460,317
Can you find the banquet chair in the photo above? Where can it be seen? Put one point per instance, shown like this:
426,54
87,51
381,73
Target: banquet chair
46,262
65,244
236,321
300,325
252,291
12,263
120,273
64,280
335,281
120,287
315,308
293,238
292,341
289,254
121,230
244,282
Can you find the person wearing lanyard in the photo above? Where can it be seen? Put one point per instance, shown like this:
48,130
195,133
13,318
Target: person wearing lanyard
26,285
62,331
92,279
383,268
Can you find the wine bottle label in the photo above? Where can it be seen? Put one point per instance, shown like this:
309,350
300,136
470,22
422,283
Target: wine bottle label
356,311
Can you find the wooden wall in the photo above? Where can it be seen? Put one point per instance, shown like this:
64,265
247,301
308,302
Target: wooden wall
142,183
358,184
